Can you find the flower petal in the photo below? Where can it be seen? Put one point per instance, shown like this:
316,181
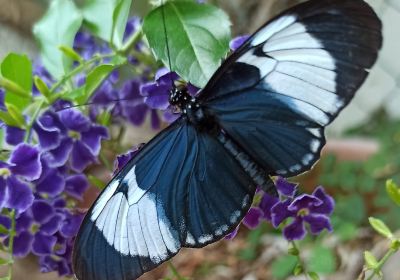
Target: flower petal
328,203
3,192
286,188
253,217
14,135
318,223
20,196
233,234
26,162
304,201
59,156
22,244
24,221
280,212
76,185
92,138
43,244
49,129
74,120
71,225
237,42
53,225
295,230
42,211
135,114
123,159
266,204
169,116
52,184
81,156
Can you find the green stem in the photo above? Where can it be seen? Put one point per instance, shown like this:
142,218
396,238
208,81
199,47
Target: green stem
299,259
33,119
131,41
378,268
11,244
175,272
79,69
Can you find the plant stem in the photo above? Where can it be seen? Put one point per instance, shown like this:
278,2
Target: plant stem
33,119
11,244
299,260
376,271
131,41
79,69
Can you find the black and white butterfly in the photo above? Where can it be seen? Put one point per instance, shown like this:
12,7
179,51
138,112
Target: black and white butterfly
262,113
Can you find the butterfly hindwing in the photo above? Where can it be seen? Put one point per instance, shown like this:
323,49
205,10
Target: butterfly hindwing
182,189
290,79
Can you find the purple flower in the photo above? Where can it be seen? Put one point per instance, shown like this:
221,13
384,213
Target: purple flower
253,218
237,42
76,185
312,209
23,166
2,96
69,134
36,229
123,159
157,93
134,108
51,182
14,135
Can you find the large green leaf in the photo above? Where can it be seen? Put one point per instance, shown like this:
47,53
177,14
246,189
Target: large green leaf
107,18
58,28
18,69
322,260
198,38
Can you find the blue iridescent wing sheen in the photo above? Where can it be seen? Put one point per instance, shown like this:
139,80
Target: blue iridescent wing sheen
290,79
182,189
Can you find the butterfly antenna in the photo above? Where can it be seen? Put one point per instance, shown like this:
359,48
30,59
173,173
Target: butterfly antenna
93,103
166,40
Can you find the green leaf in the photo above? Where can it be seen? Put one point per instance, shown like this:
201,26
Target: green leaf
8,119
380,227
104,118
370,260
198,38
17,69
322,260
94,79
393,191
313,275
58,28
283,267
16,115
3,230
42,87
71,53
107,19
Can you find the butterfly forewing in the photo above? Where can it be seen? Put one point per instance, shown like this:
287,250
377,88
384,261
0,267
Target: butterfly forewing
291,78
182,190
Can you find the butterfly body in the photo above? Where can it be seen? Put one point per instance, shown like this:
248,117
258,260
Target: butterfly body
263,113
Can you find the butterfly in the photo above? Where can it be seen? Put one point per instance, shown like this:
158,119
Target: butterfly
262,114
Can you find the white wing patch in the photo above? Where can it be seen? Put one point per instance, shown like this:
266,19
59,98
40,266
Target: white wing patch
134,226
273,28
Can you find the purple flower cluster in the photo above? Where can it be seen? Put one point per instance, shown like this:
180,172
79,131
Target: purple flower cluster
42,181
291,211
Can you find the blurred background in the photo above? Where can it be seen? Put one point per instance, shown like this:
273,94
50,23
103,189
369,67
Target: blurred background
362,152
